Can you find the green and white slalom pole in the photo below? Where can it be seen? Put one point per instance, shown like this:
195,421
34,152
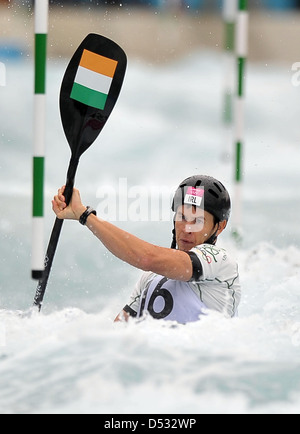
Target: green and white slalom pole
241,48
41,30
229,18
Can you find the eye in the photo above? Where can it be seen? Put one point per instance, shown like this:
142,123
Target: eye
180,217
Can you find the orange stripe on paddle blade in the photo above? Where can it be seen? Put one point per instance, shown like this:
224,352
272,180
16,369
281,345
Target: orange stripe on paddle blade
97,63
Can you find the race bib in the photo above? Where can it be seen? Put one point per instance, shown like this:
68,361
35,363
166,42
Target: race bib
171,300
194,196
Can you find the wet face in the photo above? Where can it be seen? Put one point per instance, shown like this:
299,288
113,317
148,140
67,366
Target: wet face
194,227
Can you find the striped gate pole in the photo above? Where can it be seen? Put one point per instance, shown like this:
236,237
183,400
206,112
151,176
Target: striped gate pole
241,49
41,30
229,17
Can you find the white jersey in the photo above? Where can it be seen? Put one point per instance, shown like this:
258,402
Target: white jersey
217,289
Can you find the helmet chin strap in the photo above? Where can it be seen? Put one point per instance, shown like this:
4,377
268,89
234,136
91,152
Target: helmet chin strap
174,242
212,239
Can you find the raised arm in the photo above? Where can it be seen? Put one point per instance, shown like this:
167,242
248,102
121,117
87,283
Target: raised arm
173,264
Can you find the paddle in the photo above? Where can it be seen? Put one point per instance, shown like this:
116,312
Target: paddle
89,92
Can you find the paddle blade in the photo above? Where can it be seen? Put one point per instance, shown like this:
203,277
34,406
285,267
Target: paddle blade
90,89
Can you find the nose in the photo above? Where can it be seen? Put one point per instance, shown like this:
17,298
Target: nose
188,228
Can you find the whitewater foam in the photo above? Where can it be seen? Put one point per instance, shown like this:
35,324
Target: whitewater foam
72,357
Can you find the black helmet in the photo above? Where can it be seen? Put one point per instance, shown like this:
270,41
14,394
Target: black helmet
216,198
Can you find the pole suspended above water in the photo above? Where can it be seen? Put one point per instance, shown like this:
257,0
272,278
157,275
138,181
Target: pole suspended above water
41,30
229,17
241,48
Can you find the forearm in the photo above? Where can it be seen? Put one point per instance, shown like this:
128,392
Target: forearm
123,245
173,264
140,254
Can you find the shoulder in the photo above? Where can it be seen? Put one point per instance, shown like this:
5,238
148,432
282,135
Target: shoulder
214,260
210,253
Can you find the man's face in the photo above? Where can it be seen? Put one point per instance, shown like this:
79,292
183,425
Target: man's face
193,227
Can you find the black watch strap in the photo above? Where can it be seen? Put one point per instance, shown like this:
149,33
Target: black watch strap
86,214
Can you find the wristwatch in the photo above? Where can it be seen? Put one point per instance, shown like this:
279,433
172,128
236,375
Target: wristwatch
83,219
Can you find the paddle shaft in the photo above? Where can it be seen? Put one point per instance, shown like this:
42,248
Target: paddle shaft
41,288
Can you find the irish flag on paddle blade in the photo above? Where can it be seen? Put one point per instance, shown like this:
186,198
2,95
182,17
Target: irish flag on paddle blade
93,79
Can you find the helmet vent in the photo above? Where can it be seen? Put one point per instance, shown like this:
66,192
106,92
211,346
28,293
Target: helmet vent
218,187
213,193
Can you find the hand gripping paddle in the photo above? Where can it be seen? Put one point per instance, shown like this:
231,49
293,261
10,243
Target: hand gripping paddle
89,92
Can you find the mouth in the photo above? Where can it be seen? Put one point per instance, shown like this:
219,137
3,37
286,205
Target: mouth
186,245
